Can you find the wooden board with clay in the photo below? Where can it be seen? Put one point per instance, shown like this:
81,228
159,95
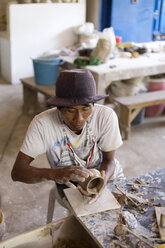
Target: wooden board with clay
80,206
159,211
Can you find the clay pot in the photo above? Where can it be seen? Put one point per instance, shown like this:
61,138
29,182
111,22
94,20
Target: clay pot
93,184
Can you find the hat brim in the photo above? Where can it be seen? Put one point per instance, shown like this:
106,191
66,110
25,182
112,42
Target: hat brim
66,102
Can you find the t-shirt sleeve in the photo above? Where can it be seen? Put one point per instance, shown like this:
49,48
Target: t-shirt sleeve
33,144
110,137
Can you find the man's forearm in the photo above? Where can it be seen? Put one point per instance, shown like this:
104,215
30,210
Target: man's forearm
24,172
30,174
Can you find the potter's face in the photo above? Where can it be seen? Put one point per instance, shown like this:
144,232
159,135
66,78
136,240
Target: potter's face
76,116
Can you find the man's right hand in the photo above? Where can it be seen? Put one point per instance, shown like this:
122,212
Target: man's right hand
73,173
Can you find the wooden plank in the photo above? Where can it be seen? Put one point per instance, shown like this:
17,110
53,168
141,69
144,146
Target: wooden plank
159,211
48,90
124,121
80,206
30,100
134,113
1,216
142,100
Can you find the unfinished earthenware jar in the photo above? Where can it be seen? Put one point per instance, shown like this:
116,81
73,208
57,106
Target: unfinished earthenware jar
93,184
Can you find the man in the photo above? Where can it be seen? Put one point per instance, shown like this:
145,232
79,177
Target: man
76,136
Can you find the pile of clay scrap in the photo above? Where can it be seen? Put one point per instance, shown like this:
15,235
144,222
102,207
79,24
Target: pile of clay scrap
127,222
133,208
131,199
129,233
138,183
123,230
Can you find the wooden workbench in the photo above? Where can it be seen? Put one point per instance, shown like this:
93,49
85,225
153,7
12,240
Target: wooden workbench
101,225
30,94
115,69
123,68
128,108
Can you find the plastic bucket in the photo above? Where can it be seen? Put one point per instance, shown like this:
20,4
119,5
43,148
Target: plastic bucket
46,70
154,85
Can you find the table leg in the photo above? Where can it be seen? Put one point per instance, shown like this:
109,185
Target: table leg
100,85
30,100
134,113
124,121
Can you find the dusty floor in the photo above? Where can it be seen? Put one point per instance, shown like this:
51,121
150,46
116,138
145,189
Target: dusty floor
25,206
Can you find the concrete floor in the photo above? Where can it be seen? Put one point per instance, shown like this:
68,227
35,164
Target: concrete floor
25,206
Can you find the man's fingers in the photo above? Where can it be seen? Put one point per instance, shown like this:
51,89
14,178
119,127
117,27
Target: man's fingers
82,191
83,172
93,199
80,174
75,174
102,173
70,185
76,178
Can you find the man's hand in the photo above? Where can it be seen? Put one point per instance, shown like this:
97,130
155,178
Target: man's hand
22,171
93,197
73,173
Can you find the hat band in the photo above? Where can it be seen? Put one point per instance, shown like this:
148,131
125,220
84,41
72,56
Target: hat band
59,101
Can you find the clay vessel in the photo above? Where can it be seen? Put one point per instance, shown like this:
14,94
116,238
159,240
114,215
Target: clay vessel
93,184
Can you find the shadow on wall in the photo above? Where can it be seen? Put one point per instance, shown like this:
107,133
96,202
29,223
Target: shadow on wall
60,38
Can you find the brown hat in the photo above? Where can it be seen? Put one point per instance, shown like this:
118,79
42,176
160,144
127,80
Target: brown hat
75,87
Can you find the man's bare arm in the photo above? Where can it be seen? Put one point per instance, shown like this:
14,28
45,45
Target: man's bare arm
22,171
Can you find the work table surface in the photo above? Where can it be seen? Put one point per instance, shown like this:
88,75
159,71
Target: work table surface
101,225
125,68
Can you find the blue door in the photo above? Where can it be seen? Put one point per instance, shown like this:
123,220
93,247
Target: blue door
159,20
131,19
162,17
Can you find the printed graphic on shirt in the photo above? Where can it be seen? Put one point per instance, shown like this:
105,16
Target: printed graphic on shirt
76,144
79,148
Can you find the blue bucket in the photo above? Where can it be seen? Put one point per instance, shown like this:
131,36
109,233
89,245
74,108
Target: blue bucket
46,70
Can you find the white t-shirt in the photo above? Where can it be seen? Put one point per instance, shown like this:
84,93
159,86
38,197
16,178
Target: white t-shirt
45,134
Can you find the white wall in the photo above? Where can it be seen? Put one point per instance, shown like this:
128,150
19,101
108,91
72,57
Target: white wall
36,28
